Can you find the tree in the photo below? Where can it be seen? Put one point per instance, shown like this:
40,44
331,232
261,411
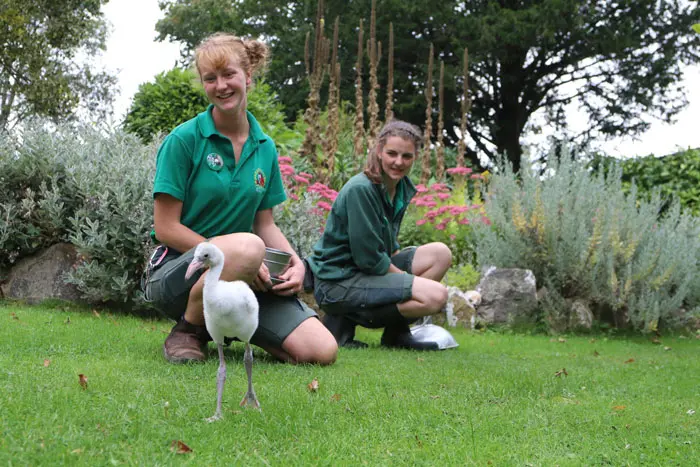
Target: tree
41,74
619,61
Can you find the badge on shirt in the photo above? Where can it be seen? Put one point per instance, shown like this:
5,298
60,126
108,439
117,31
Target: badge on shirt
215,162
259,180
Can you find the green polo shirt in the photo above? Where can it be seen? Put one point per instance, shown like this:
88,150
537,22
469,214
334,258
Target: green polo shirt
362,230
196,165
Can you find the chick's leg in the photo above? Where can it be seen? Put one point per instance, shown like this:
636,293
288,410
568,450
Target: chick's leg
249,399
220,380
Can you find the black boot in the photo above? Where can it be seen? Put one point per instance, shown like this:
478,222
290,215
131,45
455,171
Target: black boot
343,330
398,335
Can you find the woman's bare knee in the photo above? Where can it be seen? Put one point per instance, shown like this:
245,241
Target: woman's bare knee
244,252
311,342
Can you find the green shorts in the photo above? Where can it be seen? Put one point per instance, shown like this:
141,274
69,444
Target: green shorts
368,300
165,286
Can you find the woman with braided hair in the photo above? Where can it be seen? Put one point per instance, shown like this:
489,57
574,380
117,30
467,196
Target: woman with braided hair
361,274
218,178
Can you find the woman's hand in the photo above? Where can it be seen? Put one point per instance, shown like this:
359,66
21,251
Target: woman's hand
293,279
262,282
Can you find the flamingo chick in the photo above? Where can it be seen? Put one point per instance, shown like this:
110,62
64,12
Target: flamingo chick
230,310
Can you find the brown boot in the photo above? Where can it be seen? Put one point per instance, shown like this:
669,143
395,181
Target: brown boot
186,343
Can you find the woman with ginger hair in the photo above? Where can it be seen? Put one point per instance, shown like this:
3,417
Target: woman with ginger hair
217,179
361,275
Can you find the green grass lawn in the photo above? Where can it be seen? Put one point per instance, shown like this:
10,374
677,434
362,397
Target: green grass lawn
495,399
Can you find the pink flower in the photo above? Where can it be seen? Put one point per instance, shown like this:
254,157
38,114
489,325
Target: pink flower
431,204
287,170
459,171
421,221
464,221
330,194
485,220
443,209
304,174
299,179
285,160
457,210
452,236
476,176
421,188
431,214
323,205
441,226
438,187
443,196
318,188
294,196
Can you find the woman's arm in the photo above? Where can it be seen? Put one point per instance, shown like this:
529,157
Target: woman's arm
169,230
264,227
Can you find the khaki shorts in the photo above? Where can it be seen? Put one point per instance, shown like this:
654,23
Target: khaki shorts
165,286
368,300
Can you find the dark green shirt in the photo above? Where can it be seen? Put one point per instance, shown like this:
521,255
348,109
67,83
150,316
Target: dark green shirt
362,230
196,165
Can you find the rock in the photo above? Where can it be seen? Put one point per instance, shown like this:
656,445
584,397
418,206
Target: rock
508,296
459,311
40,277
580,317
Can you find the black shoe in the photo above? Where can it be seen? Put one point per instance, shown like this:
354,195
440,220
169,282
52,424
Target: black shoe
343,330
400,337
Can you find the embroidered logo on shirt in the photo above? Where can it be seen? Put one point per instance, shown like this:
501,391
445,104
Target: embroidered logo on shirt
215,162
259,180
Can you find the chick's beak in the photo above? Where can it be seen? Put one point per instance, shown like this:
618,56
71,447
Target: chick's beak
194,265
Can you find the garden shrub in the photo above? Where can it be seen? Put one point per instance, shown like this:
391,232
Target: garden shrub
85,186
173,97
675,175
302,217
585,238
35,200
177,95
445,213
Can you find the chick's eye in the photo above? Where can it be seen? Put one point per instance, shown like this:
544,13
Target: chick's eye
206,255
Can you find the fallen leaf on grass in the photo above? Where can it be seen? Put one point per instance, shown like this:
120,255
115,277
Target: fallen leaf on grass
419,359
313,385
656,341
561,340
561,372
691,412
667,348
631,360
178,447
47,362
76,451
595,353
435,397
618,408
592,340
419,442
336,397
14,316
67,321
82,380
94,312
